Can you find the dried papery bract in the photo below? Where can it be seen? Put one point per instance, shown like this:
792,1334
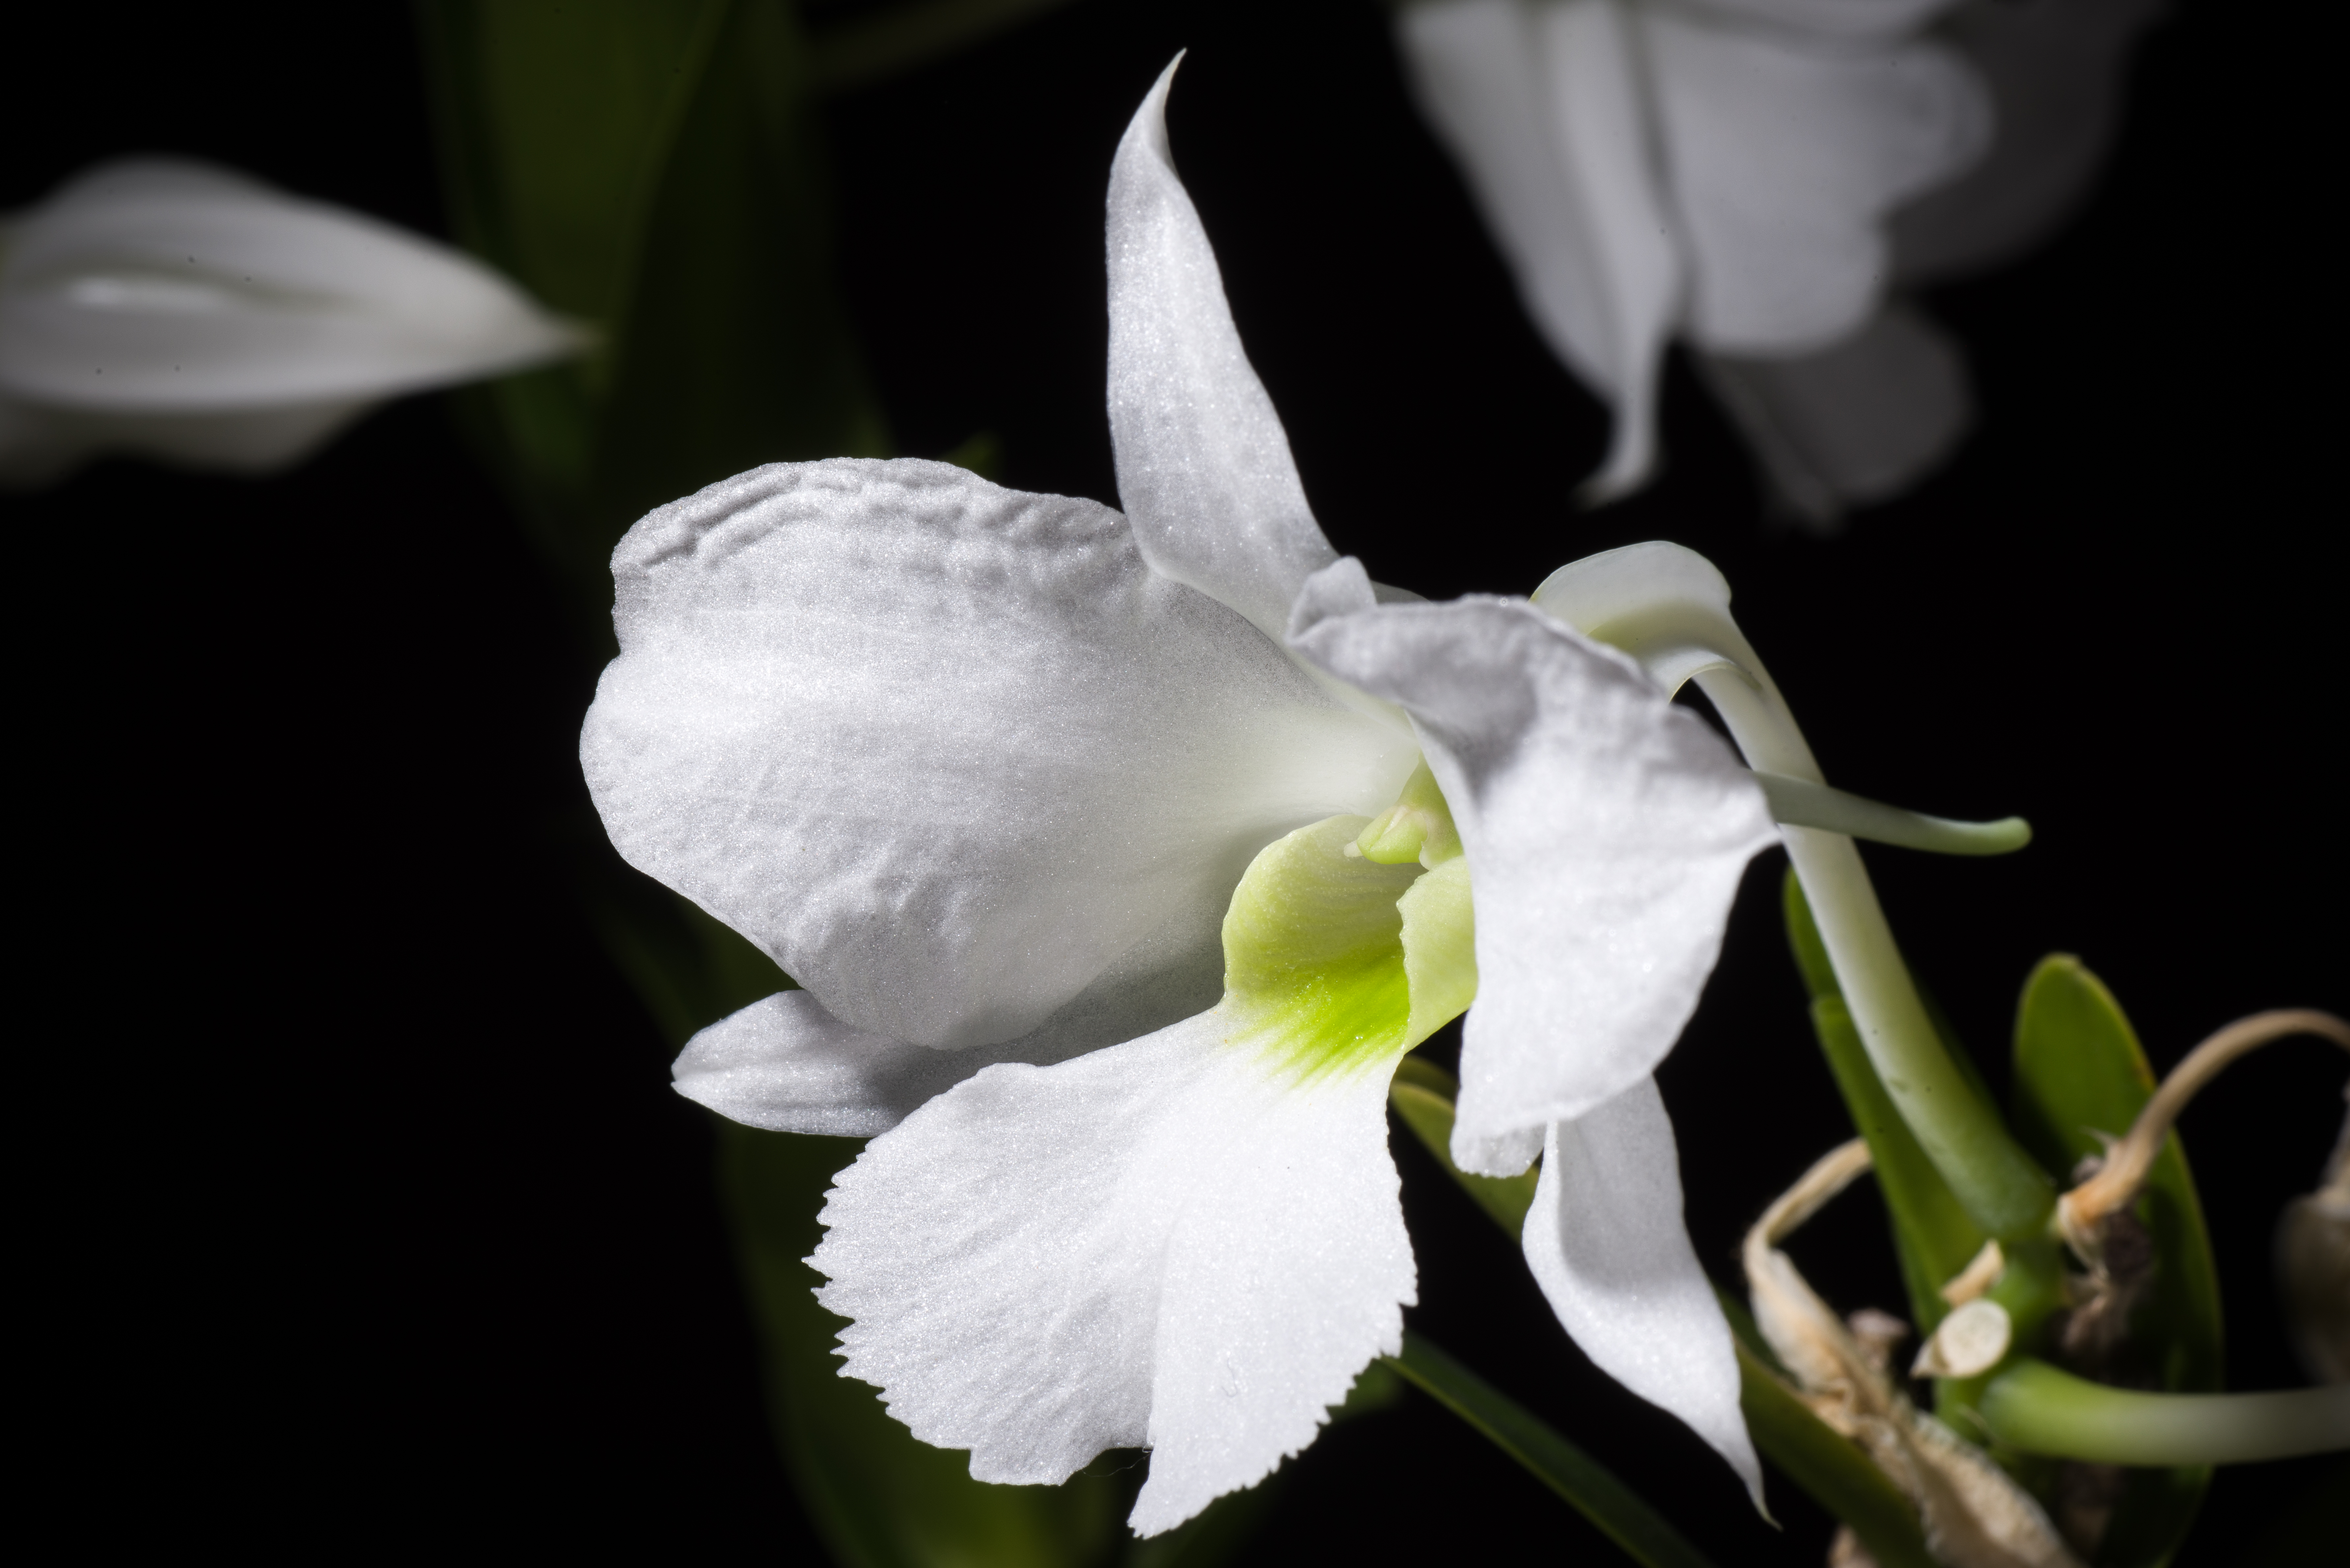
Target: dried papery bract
1974,1514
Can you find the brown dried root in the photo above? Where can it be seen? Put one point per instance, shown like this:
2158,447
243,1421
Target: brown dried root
2082,1212
1973,1514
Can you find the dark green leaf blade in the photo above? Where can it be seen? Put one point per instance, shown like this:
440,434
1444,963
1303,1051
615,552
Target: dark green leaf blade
1592,1491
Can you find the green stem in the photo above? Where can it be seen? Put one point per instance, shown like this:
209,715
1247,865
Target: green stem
1594,1491
2041,1410
1669,609
1987,1170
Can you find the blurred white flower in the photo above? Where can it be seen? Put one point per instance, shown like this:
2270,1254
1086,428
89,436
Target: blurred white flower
1755,177
179,311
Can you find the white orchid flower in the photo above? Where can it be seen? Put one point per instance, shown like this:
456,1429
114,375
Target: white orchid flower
182,312
1753,176
1122,858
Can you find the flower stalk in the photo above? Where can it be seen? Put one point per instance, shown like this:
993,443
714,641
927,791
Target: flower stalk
1669,609
2043,1409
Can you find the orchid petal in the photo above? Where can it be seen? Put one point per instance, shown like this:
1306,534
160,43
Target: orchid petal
1860,420
1172,1242
2055,72
1541,106
1785,155
949,754
169,288
1204,465
1606,831
786,1065
1607,1243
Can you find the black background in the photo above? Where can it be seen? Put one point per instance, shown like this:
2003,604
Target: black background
356,1207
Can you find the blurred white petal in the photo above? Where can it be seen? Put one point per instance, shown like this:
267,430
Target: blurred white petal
1162,1243
187,313
1606,1242
1204,465
1832,18
1785,154
2054,70
1856,421
1542,106
948,752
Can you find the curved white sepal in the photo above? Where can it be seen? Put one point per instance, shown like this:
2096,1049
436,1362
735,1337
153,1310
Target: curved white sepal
1203,466
1606,1242
1169,1242
1605,832
949,754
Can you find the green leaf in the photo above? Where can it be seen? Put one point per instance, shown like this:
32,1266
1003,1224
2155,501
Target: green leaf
651,167
881,1497
1592,1491
2079,1072
1933,1235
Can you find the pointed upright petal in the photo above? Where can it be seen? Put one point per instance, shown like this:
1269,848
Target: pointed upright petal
949,754
1605,832
1785,155
160,288
1204,465
1606,1243
1860,420
1172,1242
1542,107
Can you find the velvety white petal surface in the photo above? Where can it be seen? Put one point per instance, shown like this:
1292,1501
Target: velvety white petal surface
1606,1242
947,753
1542,107
1860,420
168,288
2054,70
1605,832
1168,1242
1203,466
1785,155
